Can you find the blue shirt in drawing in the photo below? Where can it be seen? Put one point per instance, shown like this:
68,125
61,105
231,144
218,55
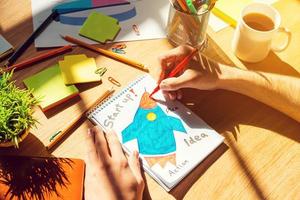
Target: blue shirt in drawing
153,130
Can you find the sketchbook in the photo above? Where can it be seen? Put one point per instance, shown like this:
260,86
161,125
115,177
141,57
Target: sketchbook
170,138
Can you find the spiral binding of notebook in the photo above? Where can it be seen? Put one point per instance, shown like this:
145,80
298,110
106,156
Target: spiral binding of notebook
108,101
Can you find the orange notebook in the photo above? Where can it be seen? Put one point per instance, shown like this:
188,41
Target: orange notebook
38,178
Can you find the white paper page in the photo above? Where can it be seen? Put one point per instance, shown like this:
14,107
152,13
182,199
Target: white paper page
193,138
216,23
151,19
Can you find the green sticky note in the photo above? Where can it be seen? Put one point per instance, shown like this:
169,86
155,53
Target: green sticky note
100,27
49,87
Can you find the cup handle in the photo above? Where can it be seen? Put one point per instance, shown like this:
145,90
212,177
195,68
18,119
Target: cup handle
286,43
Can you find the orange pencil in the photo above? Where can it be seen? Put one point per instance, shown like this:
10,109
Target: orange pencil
106,53
179,68
38,58
183,5
60,134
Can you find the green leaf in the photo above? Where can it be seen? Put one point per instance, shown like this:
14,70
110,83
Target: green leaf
16,112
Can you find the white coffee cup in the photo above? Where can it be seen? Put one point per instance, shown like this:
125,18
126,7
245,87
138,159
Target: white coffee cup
253,45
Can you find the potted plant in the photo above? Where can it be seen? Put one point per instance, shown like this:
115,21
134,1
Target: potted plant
16,114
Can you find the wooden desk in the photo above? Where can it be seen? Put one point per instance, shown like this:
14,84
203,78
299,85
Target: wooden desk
261,157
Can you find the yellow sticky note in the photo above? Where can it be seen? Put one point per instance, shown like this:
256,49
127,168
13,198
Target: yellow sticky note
78,69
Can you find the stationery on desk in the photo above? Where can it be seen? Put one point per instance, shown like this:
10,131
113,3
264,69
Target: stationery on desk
78,69
135,12
79,5
188,21
57,137
170,138
193,6
179,68
31,38
106,53
100,27
48,87
39,58
53,86
182,5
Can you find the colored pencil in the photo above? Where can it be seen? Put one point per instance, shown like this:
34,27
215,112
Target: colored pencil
106,53
87,7
60,134
38,58
211,4
190,23
31,38
183,5
191,6
180,67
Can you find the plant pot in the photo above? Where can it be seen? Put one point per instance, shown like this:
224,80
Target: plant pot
21,138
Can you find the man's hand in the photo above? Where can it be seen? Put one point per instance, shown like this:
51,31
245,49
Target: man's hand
204,74
109,174
277,91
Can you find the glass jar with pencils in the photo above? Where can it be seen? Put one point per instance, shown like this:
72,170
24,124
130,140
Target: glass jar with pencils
187,22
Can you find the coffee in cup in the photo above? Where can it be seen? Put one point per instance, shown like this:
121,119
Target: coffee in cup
257,26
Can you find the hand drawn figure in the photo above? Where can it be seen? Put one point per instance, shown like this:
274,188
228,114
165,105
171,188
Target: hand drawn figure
154,131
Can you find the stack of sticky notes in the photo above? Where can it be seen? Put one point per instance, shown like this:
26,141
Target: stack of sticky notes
54,85
100,27
48,86
78,69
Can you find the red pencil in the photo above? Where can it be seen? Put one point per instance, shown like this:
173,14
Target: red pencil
38,58
183,6
180,67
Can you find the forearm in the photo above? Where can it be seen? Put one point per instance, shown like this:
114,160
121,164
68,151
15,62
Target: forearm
278,91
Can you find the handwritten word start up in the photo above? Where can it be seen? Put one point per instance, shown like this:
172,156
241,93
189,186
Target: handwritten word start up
109,122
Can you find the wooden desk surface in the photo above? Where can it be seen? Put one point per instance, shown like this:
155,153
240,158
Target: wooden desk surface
261,157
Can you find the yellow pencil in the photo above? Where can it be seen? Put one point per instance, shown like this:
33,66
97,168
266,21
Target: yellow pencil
60,134
106,53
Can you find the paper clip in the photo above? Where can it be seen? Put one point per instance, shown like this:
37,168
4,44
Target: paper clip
101,71
119,46
54,135
114,81
136,29
119,51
